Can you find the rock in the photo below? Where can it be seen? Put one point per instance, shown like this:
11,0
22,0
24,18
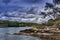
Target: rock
27,31
17,34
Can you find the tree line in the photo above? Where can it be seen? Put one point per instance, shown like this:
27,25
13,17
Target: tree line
16,24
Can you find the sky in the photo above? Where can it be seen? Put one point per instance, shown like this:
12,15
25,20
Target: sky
25,3
13,4
19,4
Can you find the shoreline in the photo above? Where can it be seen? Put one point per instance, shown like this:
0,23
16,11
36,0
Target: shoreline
42,35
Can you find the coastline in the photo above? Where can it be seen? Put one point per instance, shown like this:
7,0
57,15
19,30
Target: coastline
42,35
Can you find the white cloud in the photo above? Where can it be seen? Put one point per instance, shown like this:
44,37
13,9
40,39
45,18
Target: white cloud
15,13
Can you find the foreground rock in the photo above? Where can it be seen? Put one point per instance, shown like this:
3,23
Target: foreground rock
32,32
40,34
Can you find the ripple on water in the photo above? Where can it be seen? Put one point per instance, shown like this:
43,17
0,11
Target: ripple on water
4,36
17,37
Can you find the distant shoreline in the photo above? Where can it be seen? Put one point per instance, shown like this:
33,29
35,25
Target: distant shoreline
5,23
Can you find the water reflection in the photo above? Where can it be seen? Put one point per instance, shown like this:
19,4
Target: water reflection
5,36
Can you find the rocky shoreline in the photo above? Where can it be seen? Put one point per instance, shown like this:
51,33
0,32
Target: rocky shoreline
39,33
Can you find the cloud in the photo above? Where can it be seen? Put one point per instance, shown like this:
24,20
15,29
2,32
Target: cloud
16,11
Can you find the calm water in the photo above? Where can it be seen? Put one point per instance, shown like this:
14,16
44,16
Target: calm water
4,36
